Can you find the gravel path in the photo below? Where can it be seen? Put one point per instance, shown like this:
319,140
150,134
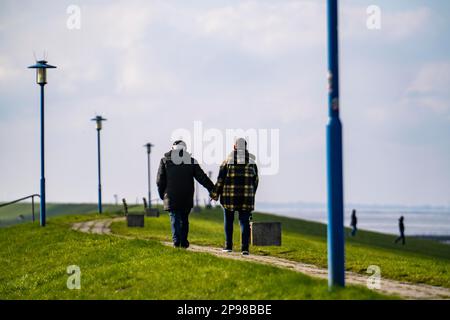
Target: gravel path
387,286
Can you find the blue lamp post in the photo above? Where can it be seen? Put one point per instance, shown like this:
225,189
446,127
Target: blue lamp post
99,120
149,150
336,261
41,67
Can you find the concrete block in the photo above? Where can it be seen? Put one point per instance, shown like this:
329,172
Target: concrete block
265,233
135,220
152,212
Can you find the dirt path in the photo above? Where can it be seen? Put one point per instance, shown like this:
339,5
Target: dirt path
392,287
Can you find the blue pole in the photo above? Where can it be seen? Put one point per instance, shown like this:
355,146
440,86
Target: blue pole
149,182
336,260
42,211
99,174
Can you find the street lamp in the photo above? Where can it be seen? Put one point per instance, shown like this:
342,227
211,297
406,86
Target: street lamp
98,120
41,67
149,150
336,261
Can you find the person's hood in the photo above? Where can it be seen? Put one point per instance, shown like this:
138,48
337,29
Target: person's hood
182,154
168,155
238,158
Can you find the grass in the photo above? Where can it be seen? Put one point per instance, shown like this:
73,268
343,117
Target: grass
34,262
14,213
419,261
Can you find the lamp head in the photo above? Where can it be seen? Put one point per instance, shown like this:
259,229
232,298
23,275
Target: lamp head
99,120
41,67
149,147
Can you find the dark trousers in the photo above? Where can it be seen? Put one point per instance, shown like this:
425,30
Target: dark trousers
179,221
402,237
244,220
354,229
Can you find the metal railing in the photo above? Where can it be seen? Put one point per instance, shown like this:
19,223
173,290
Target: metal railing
21,199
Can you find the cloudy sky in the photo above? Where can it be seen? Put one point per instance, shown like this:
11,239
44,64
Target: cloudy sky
154,67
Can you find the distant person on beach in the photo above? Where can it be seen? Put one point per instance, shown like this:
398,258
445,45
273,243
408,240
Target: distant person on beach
401,227
353,222
236,186
175,180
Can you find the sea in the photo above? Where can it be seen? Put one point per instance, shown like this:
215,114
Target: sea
426,221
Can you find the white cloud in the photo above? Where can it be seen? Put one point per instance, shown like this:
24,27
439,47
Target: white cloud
432,78
266,28
430,88
8,71
121,24
406,23
141,74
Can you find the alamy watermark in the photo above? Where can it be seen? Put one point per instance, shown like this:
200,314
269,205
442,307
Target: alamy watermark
74,279
211,145
74,19
373,21
374,281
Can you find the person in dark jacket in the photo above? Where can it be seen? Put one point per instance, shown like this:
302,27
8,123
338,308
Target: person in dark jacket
353,223
175,181
236,186
401,227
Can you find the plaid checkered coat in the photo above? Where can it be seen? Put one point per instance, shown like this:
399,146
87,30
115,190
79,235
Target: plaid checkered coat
237,182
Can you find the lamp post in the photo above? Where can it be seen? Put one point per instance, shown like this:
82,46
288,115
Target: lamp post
99,120
149,150
336,261
41,67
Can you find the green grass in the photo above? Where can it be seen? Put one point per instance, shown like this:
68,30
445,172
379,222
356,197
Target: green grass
420,261
34,262
10,214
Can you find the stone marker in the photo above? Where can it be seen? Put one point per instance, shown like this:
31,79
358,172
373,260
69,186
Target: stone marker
265,233
152,212
135,220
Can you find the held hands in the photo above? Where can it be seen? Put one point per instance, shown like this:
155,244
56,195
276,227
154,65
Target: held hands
214,196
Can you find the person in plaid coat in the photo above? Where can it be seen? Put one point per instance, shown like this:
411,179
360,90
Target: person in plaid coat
236,186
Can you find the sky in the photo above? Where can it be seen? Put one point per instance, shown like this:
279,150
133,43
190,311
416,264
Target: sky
158,68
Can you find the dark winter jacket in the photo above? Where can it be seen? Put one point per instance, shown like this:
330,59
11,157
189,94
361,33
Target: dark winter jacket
237,182
401,226
354,221
175,180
